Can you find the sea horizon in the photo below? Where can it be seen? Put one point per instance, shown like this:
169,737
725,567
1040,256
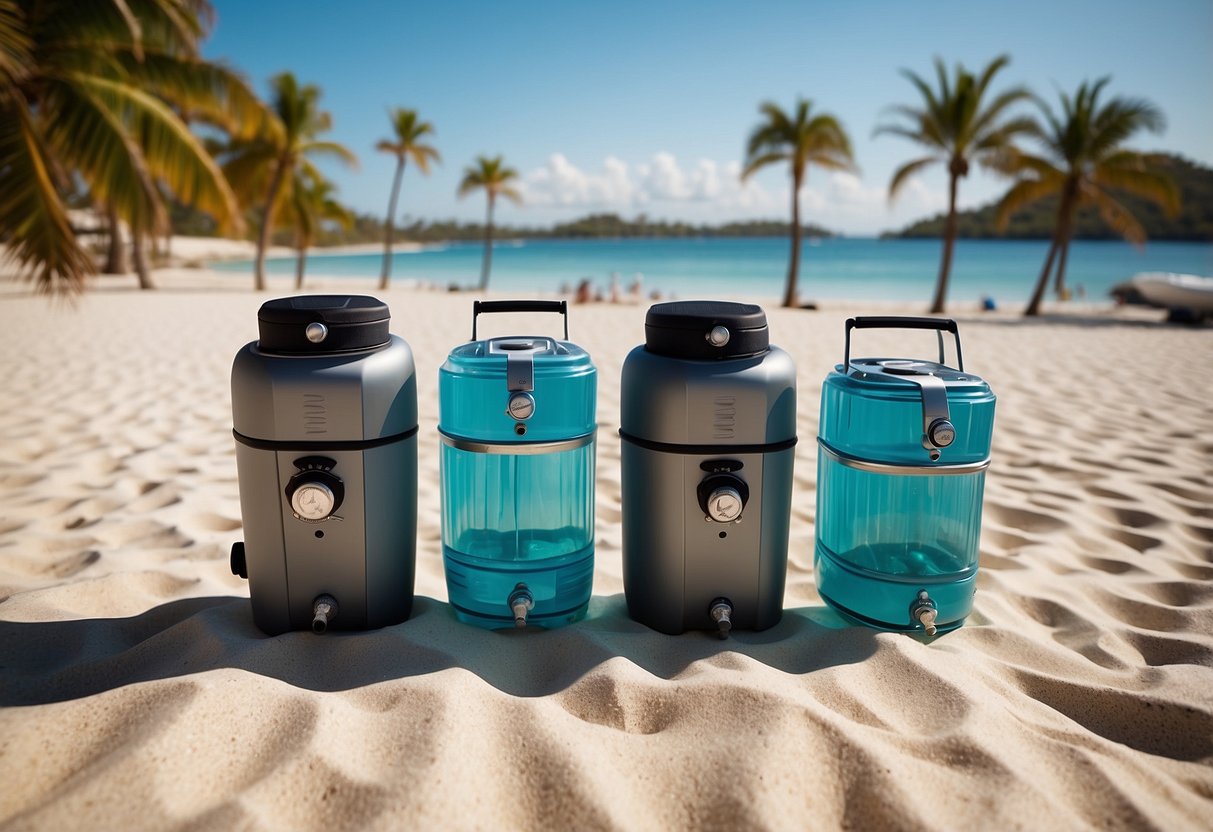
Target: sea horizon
850,267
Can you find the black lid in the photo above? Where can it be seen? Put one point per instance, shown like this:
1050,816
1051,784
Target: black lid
684,329
350,322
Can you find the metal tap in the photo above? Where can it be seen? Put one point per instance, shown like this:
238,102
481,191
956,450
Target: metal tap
324,610
721,612
924,613
521,603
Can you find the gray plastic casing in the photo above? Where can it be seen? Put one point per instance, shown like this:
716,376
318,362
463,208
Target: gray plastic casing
675,563
318,405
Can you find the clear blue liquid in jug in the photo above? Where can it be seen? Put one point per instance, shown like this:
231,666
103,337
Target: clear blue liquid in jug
512,520
882,538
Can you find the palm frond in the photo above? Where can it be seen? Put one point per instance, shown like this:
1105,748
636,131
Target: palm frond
758,162
1156,186
990,71
39,236
1117,216
802,139
110,161
171,152
986,122
205,91
903,173
16,47
333,150
1022,194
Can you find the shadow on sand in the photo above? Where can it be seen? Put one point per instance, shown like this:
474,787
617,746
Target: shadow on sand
55,661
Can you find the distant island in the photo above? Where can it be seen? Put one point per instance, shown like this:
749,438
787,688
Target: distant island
1194,221
369,229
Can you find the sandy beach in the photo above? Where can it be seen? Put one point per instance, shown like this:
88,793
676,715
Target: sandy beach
136,693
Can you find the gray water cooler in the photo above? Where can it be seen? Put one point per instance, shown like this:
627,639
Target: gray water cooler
324,407
708,429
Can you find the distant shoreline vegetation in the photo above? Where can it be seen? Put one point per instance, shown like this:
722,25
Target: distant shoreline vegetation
1194,223
370,229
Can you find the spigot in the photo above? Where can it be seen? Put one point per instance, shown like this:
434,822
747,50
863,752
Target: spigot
521,603
324,610
924,613
721,612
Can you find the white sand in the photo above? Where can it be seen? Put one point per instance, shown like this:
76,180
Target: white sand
136,692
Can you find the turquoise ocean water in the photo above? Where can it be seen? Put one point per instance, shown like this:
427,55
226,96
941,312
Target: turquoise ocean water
853,268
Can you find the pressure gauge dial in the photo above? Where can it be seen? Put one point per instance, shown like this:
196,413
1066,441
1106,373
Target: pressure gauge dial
313,501
315,492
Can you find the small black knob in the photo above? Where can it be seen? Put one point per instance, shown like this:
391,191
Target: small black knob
239,566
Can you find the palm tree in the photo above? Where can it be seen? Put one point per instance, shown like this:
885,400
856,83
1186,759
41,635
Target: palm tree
801,139
312,204
94,96
495,178
1083,159
406,146
269,163
958,127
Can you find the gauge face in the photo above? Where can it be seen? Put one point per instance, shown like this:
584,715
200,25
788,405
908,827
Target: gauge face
313,501
724,505
521,406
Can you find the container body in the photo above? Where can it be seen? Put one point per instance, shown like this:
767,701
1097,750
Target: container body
351,416
686,424
518,493
893,523
511,519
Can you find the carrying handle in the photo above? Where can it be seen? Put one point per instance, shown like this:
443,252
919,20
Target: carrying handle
940,325
482,307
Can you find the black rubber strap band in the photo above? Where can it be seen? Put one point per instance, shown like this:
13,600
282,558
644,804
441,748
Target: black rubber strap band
345,445
707,450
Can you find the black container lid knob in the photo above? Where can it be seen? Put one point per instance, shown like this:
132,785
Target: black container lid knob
706,330
318,324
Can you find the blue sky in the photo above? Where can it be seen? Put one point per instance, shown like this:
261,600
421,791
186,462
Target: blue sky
645,107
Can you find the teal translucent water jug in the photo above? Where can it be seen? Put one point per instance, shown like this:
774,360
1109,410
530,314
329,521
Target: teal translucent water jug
517,423
903,446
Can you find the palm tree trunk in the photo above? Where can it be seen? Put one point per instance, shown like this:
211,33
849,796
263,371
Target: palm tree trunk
300,265
789,290
386,274
115,258
1061,242
1065,226
939,304
1038,293
1059,286
267,223
488,247
140,257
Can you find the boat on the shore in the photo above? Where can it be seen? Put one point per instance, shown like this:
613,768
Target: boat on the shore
1176,291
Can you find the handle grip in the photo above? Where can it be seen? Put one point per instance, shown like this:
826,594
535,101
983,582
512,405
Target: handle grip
484,307
940,325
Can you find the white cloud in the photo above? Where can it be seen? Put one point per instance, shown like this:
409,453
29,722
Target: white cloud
560,182
847,203
709,190
662,180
